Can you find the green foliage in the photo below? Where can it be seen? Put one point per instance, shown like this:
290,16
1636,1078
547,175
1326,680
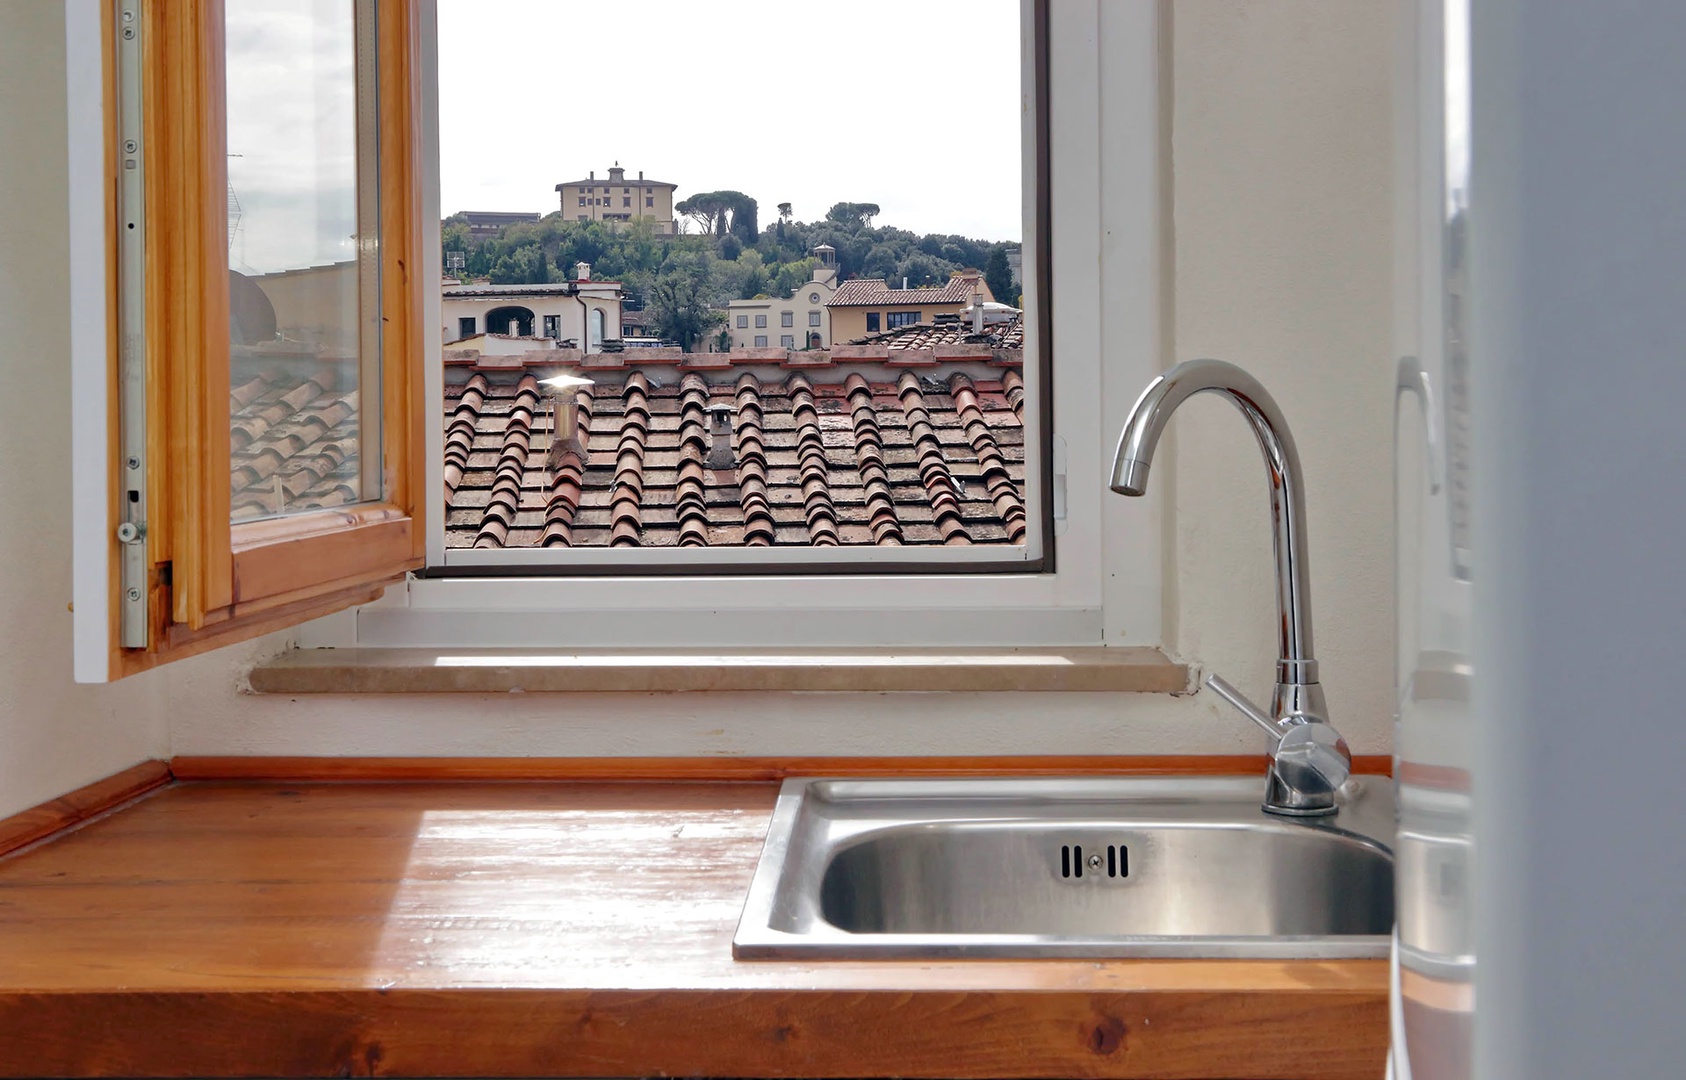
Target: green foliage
998,275
677,274
857,215
680,299
723,213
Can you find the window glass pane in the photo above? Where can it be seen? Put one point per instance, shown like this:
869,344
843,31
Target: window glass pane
303,274
901,421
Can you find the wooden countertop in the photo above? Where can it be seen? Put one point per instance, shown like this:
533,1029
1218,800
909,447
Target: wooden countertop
561,929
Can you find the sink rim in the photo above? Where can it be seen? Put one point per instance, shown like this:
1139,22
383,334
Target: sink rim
1366,818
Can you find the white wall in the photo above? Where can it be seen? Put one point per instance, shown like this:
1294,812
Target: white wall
1578,375
1280,120
54,734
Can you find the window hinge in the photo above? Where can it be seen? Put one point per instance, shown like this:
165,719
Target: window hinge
131,354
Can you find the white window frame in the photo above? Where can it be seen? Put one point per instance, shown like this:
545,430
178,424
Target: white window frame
1105,585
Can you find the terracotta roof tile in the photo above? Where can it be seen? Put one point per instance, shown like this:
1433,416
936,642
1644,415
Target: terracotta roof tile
860,452
875,292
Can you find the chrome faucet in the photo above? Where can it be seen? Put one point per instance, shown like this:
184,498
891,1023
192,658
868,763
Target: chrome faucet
1309,760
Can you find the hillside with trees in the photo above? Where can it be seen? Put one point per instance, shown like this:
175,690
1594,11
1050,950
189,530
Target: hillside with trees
682,282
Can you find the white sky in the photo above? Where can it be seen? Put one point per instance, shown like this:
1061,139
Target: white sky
292,132
910,104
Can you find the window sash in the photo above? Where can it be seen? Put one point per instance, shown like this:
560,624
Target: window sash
209,582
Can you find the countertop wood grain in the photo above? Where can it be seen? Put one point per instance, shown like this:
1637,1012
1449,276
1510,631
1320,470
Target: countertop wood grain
561,929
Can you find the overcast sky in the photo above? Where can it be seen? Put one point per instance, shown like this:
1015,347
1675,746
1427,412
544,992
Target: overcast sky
910,104
292,133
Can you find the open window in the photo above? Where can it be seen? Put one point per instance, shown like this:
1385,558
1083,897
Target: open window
249,512
265,424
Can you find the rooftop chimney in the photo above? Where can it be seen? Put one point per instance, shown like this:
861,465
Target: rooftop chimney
640,174
977,313
720,437
582,271
592,175
565,440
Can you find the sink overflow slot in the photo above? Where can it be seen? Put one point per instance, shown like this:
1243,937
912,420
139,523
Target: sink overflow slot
1072,862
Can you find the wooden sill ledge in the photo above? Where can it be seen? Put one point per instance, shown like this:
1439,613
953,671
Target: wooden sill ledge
1132,669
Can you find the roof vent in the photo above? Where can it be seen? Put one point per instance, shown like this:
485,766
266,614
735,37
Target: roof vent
582,271
565,440
720,437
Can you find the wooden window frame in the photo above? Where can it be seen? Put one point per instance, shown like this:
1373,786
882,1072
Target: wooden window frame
210,582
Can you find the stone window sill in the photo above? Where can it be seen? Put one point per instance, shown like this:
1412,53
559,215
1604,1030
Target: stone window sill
1117,669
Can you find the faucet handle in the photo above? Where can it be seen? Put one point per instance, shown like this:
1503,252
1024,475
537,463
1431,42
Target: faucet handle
1310,758
1246,707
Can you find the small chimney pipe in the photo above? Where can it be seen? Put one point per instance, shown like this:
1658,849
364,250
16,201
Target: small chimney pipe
565,440
720,454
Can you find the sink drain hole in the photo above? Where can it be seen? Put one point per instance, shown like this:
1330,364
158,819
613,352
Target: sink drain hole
1072,862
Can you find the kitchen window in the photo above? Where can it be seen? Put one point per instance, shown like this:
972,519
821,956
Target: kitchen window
911,591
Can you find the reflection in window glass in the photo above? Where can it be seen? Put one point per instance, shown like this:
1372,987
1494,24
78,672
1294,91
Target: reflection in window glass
303,281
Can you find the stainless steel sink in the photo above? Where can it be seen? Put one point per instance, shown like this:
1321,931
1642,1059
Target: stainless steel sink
1068,868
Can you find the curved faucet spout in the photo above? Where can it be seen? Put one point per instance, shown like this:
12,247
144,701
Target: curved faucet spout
1297,689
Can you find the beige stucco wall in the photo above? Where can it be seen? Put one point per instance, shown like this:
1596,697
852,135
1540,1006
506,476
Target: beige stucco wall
1282,214
1278,128
810,297
594,191
567,308
1278,210
849,323
54,734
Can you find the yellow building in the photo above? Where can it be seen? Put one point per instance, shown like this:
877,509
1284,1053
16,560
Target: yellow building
868,306
617,200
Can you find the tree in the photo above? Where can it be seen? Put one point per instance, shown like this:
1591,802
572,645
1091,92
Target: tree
679,300
723,213
856,215
784,213
998,275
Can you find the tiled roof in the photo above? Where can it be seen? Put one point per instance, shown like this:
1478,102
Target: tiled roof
293,432
873,292
855,446
847,453
1002,335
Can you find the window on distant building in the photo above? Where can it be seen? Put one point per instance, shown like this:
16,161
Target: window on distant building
743,322
649,200
760,322
872,322
813,318
787,318
582,200
903,318
760,341
553,326
787,341
465,327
